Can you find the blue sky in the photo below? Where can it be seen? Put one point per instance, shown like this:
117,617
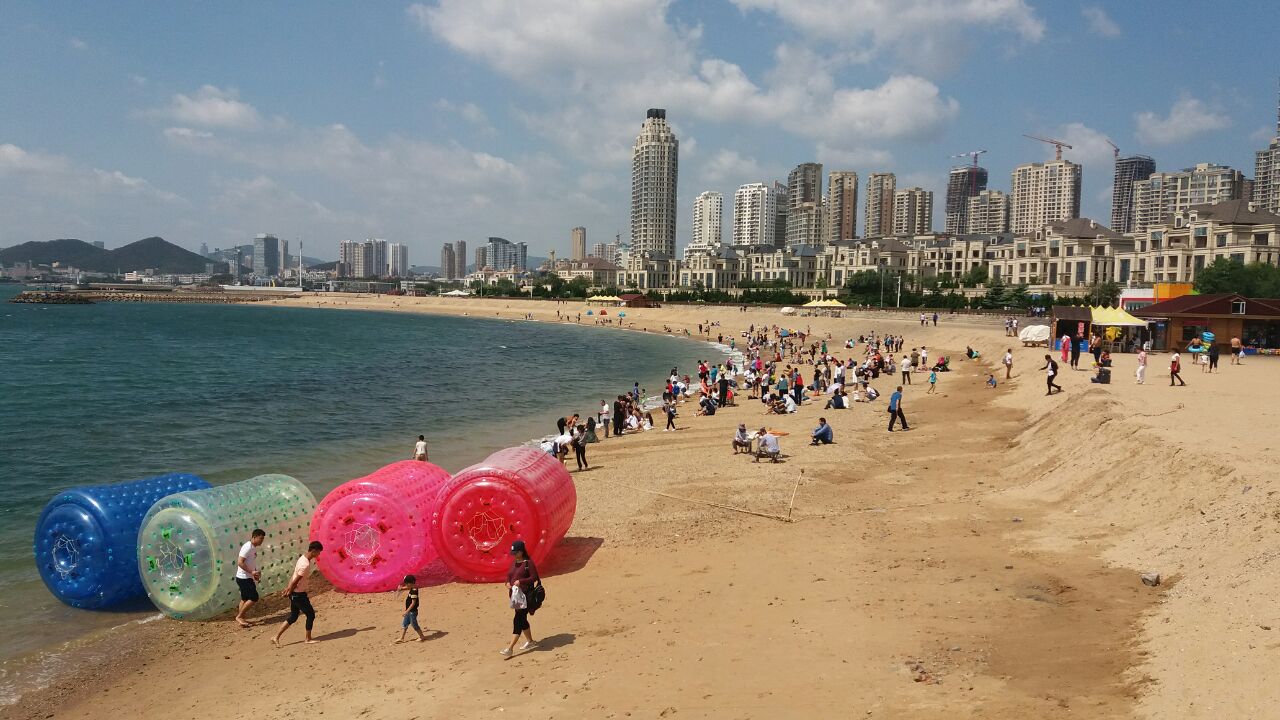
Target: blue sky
457,119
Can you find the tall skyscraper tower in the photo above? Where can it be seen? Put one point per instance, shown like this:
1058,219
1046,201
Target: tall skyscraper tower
754,215
912,211
879,213
266,255
578,243
1043,193
460,259
654,169
1266,177
708,214
447,262
1128,171
397,260
804,205
964,182
842,205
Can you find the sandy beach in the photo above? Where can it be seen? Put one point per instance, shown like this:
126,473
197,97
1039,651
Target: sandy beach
984,565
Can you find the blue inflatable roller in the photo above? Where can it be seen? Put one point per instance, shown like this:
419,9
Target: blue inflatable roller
86,543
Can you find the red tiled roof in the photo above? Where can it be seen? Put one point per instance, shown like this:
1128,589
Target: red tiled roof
1211,305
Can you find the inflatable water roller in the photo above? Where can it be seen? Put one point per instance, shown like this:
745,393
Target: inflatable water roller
188,543
86,539
376,529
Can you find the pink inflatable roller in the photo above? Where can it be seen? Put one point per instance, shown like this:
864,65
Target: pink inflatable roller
517,493
376,529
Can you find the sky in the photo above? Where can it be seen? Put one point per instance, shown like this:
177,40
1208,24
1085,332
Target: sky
445,120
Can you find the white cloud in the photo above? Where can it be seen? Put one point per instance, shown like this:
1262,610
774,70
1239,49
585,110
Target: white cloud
728,166
78,44
903,26
1089,147
1187,118
214,107
468,111
138,80
607,61
1100,22
45,196
853,158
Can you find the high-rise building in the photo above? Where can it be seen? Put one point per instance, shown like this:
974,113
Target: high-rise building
879,212
266,255
1163,194
598,250
912,211
842,205
1266,176
447,261
460,259
204,247
1043,193
804,205
1128,171
503,255
482,257
285,261
578,243
708,215
779,214
398,260
754,215
654,170
235,262
988,213
964,182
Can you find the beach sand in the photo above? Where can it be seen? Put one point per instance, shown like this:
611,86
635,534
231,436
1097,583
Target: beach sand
984,565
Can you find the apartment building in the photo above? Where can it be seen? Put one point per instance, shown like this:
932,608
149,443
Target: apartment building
1077,252
842,206
1043,193
708,213
654,171
912,211
1164,194
963,184
754,215
879,205
988,213
1123,202
1176,249
804,205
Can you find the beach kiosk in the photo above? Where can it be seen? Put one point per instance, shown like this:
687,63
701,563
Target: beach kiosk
1072,320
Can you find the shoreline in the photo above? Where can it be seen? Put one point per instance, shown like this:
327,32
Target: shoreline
983,565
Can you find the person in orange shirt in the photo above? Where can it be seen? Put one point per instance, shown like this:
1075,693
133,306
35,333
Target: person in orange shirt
299,603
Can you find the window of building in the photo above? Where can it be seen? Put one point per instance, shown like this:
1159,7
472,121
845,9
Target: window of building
1199,262
1124,271
1260,238
1237,258
1070,251
1081,269
1220,240
1173,261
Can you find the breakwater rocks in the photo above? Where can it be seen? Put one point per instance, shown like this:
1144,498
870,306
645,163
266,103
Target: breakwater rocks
88,297
44,297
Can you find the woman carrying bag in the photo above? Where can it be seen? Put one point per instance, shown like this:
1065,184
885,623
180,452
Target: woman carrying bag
521,579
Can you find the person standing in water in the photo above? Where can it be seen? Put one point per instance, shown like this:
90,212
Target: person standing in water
420,449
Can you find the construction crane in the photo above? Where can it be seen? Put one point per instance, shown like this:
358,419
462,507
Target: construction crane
1114,149
1057,144
973,174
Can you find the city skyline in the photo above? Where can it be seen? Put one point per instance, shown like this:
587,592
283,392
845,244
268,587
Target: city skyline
214,149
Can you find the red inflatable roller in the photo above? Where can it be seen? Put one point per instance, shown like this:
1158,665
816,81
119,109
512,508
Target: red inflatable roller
514,494
375,529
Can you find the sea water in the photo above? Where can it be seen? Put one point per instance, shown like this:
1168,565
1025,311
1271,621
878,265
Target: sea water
116,391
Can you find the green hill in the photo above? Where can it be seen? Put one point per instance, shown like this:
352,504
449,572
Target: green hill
152,252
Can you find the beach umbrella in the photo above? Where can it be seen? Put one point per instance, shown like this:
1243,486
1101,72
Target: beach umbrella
622,314
814,303
604,312
592,312
784,333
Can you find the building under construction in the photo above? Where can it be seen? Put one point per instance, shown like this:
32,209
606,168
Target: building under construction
965,181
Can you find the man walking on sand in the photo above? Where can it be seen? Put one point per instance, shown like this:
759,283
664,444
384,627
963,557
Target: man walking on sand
1051,366
248,575
1141,372
299,603
895,410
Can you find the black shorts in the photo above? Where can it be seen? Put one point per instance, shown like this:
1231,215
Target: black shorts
520,622
248,589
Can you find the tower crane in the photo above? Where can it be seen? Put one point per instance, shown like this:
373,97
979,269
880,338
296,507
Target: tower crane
1115,150
973,174
1057,144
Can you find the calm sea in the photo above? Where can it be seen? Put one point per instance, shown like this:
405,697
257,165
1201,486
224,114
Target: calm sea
115,391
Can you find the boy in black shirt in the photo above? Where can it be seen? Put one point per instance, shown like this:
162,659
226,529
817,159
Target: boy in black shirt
410,609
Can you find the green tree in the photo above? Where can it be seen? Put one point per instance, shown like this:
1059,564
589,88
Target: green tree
1106,293
974,277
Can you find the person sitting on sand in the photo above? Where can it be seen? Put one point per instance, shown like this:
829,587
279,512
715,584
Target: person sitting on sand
706,406
741,440
837,401
991,381
823,433
789,403
767,445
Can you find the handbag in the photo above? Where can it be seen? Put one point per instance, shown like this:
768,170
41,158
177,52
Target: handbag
518,599
537,596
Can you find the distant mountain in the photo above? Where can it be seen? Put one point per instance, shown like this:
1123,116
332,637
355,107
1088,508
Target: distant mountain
152,252
77,253
319,266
